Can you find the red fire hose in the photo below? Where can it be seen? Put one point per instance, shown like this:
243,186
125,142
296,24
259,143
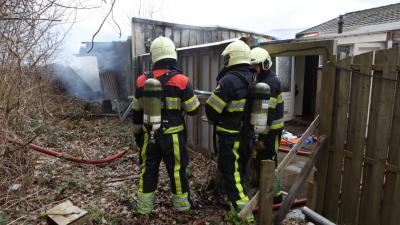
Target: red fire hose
60,155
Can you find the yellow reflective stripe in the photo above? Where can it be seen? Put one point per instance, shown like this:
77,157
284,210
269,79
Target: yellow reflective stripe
272,102
191,104
280,98
236,105
242,202
176,129
236,173
173,103
136,104
226,130
146,197
278,124
177,165
216,103
181,202
143,165
276,144
173,99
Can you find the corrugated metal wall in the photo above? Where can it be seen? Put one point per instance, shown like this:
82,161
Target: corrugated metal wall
201,65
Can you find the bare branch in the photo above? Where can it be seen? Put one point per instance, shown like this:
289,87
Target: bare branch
29,19
101,25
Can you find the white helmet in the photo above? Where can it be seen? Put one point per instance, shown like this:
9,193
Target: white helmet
260,55
162,48
235,53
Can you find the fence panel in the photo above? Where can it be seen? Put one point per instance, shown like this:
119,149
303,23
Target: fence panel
391,197
357,125
382,99
341,108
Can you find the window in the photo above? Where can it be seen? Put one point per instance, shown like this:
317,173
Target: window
284,71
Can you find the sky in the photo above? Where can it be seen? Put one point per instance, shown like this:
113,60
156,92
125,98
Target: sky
256,15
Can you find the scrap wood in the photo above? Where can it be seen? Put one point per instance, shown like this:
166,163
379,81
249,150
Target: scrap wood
305,172
283,164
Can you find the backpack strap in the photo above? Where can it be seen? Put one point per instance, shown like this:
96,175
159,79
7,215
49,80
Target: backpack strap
163,78
246,81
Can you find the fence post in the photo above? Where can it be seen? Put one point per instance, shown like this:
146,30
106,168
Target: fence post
267,175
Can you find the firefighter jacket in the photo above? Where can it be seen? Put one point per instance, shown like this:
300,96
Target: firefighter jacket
275,109
177,97
226,106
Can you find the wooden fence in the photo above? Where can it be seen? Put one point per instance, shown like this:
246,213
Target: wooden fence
363,176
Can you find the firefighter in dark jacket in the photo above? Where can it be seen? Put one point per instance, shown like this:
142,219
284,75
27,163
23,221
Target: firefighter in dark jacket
269,140
169,142
225,109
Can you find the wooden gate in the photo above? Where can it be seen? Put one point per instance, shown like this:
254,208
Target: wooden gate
363,180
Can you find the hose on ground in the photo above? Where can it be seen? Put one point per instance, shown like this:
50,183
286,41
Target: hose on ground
54,153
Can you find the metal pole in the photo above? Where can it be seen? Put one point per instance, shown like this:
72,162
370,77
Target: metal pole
315,217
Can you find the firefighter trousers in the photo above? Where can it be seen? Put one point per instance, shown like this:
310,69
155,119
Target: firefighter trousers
171,148
231,166
271,143
269,151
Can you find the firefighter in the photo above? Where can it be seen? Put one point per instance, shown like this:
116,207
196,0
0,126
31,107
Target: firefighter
225,108
269,140
166,140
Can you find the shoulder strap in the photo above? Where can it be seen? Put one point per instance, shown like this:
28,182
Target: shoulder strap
163,78
243,78
148,74
168,75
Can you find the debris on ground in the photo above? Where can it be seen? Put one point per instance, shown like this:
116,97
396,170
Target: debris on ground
107,192
68,214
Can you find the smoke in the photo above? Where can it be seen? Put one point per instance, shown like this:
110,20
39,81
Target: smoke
99,75
79,78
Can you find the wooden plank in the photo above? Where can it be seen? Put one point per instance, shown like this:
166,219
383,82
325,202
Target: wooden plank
312,190
207,36
391,196
200,37
357,125
254,199
341,108
380,119
215,36
193,37
300,48
267,175
224,35
301,179
168,33
185,38
138,40
292,153
177,37
325,124
232,34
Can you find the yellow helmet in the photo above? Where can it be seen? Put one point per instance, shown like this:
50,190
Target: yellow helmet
260,55
162,48
235,53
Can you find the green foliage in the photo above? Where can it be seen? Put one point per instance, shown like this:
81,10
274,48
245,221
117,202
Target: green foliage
233,218
3,217
95,214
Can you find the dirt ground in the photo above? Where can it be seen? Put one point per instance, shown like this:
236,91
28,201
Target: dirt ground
107,191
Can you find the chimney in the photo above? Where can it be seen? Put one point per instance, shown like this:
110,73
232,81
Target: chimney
340,23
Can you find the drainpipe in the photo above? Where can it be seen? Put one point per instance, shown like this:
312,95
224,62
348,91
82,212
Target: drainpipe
340,23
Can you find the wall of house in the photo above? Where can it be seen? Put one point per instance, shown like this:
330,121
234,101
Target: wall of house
299,84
